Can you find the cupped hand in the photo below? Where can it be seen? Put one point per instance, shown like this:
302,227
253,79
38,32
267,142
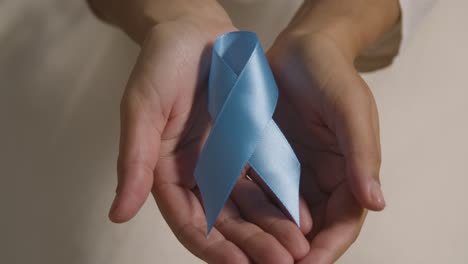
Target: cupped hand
164,122
329,116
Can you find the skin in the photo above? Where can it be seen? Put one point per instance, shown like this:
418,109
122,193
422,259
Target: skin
325,110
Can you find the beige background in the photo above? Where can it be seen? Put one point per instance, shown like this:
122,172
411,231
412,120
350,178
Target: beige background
61,77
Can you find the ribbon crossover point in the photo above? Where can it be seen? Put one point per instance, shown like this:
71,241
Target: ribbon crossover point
242,97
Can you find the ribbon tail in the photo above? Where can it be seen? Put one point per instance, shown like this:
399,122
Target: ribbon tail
278,169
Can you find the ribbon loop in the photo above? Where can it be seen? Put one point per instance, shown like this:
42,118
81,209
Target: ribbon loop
242,97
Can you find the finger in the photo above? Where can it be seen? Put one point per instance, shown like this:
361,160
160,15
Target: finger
315,198
184,214
139,146
260,246
305,220
265,194
142,120
257,208
357,128
343,221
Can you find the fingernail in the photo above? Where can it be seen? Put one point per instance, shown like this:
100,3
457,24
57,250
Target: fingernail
377,195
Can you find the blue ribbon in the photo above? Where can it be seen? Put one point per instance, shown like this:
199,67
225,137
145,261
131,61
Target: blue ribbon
242,97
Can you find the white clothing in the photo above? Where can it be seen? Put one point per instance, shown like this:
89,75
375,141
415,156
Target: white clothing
275,14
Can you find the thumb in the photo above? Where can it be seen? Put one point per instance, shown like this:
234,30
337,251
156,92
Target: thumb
357,129
142,122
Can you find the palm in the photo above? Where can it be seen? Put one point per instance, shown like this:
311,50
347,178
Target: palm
317,112
323,183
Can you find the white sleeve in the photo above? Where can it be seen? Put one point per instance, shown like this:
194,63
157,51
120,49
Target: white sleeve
275,14
412,11
383,51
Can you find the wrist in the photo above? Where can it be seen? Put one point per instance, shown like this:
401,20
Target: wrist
351,25
138,17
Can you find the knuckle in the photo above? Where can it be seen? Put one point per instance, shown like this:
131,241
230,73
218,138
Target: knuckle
126,165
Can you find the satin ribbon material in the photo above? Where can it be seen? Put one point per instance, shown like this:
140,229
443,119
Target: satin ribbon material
242,97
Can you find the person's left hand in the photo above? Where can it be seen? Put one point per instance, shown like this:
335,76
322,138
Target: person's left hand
329,116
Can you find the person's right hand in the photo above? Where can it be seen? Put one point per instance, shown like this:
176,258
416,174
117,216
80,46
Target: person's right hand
164,123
